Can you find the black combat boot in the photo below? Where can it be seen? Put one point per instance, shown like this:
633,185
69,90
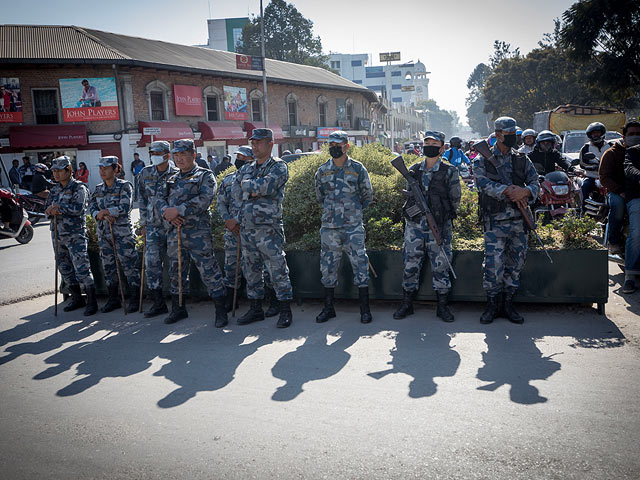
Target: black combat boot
443,309
92,303
113,301
77,300
328,311
159,306
221,311
285,314
228,299
177,312
274,305
365,313
491,311
406,307
509,311
254,314
134,299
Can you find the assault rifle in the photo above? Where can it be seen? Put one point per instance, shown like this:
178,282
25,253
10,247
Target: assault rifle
421,206
483,149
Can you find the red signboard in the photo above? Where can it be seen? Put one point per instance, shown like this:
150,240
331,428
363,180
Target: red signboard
47,136
90,114
188,100
11,117
243,62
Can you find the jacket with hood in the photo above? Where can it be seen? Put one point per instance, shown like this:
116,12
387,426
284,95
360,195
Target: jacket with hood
611,170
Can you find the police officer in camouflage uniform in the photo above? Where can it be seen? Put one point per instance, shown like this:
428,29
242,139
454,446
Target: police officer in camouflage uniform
441,188
343,188
111,205
68,203
259,186
185,203
151,187
504,183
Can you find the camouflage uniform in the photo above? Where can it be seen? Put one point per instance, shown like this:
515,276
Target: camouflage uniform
117,199
192,193
343,193
261,229
151,187
229,209
418,239
73,259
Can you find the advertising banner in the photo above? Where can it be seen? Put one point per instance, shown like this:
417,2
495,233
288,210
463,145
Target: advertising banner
235,103
10,100
248,62
324,132
89,99
187,100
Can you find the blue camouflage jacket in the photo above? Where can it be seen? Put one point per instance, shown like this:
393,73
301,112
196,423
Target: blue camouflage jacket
150,190
116,199
344,192
73,200
228,207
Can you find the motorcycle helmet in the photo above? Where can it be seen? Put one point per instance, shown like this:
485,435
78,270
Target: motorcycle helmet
596,127
286,152
41,167
492,140
529,132
455,142
546,136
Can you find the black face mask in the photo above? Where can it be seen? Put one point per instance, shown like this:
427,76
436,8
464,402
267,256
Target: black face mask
239,163
431,151
510,141
336,151
597,140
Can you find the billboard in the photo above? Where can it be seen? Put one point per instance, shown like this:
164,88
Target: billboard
187,100
390,57
89,99
235,103
10,100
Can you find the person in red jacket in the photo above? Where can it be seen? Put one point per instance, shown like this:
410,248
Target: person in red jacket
82,173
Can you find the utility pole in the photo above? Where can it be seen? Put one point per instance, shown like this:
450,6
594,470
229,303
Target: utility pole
264,70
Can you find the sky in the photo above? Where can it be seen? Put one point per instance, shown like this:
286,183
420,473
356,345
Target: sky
449,37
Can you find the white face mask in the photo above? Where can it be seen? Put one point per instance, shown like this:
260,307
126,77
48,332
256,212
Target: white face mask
157,159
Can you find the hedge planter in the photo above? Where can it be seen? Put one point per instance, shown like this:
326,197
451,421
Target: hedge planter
576,276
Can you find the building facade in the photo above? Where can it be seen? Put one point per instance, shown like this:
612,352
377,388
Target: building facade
225,33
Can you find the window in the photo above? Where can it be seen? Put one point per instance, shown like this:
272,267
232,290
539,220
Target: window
356,63
396,86
374,72
213,115
349,114
292,108
397,99
157,106
45,106
157,93
256,109
396,73
335,64
237,38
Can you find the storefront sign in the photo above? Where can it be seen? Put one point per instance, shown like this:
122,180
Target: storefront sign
235,103
187,100
248,62
10,100
324,132
89,99
299,131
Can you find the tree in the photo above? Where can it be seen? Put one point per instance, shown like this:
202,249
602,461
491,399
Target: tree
478,119
288,36
438,119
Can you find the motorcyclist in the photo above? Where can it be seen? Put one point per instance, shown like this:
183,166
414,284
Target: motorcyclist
40,186
518,137
455,156
545,157
590,155
528,141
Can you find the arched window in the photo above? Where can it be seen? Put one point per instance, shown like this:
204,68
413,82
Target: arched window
323,104
212,97
255,101
349,112
292,108
157,94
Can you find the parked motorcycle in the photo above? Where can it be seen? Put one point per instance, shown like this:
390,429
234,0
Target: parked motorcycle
20,225
559,194
33,204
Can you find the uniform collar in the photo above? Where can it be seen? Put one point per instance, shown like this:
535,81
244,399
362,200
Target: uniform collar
435,168
347,163
190,172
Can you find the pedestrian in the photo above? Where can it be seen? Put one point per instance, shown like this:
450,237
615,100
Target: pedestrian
82,173
223,165
343,188
14,174
504,182
136,165
201,162
632,198
26,173
151,187
67,202
111,207
260,187
185,206
440,184
213,161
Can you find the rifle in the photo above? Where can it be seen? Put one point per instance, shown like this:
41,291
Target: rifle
421,206
483,149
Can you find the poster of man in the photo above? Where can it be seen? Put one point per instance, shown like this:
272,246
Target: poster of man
235,103
89,99
10,100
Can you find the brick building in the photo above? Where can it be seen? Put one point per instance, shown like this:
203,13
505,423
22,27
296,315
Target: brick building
176,91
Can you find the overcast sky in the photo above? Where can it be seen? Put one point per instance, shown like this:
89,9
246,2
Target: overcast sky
449,37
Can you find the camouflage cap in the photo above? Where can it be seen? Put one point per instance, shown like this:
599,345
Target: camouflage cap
338,136
505,124
184,145
61,163
261,133
435,135
246,151
160,146
109,161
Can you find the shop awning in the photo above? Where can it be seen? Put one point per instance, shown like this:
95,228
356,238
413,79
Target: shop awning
169,131
42,136
277,129
221,131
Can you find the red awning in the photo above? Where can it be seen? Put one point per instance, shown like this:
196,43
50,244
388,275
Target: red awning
277,129
169,131
38,136
221,131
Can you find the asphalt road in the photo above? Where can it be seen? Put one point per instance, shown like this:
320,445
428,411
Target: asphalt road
123,397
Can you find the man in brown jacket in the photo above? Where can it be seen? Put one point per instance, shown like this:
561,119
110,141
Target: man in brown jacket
611,175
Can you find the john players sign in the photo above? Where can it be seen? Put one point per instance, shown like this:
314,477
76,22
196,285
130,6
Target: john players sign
188,100
89,99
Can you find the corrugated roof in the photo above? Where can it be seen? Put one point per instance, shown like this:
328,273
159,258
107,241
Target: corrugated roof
71,44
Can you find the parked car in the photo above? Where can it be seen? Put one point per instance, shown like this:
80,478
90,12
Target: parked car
573,140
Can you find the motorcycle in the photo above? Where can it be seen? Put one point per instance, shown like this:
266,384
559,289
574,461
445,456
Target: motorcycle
466,175
20,225
558,195
33,204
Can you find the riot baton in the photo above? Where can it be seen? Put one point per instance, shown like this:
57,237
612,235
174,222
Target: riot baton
144,251
55,247
235,282
179,230
115,254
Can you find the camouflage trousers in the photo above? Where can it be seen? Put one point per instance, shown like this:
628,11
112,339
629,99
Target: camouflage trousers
262,247
350,240
197,245
154,256
419,242
230,255
505,251
73,259
127,255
